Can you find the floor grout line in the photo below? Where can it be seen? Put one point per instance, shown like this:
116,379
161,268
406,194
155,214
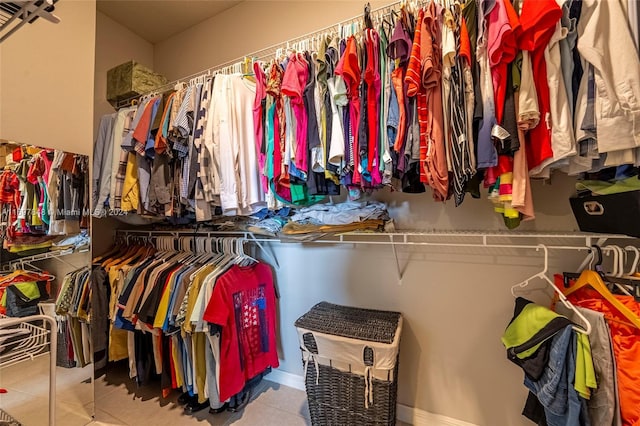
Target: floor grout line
111,415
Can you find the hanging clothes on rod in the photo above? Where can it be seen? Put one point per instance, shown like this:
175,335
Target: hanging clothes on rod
441,97
589,380
618,319
555,356
73,306
184,312
44,196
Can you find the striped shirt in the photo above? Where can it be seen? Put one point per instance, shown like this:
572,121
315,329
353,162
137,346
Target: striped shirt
186,119
203,210
182,125
460,146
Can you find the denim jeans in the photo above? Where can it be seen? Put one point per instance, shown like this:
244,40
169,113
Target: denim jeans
555,389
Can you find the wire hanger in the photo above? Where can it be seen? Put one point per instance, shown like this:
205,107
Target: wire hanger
543,275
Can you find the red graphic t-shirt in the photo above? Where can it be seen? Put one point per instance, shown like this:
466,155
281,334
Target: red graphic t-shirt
244,304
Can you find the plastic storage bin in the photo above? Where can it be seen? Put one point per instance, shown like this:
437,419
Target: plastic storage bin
608,214
350,356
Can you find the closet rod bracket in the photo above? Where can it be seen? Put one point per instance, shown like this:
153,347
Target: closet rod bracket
399,270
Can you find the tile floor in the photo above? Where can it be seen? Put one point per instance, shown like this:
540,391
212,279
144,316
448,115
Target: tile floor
27,386
119,402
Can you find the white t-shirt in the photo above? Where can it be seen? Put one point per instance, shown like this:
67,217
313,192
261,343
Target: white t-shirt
250,191
338,96
563,141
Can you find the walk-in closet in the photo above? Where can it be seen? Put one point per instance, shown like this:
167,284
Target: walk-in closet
243,212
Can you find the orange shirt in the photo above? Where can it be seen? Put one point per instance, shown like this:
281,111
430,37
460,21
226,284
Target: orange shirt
626,347
436,161
349,68
161,138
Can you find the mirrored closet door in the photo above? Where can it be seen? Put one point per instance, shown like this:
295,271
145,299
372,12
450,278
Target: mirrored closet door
45,270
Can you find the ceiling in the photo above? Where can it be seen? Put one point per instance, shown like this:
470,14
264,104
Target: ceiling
157,20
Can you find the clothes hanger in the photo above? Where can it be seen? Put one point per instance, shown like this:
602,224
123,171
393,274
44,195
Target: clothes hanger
615,264
247,71
634,265
26,274
245,256
594,280
543,275
115,249
593,251
632,283
368,23
122,255
618,269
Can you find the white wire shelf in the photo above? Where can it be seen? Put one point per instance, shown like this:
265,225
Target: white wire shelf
546,240
30,341
34,341
53,254
6,419
16,13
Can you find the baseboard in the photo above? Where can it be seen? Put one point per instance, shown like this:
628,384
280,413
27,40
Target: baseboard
406,414
418,417
287,379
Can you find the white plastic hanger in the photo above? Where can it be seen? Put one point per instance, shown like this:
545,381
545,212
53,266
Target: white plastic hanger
634,266
615,264
543,276
618,266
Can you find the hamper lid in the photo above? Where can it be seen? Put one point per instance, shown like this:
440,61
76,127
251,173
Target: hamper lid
356,323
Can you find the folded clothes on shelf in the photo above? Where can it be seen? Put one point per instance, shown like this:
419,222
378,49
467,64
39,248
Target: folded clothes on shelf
77,242
341,213
293,228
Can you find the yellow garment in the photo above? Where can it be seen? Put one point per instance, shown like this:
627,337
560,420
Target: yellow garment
585,379
163,306
117,344
175,359
28,288
24,247
35,217
506,179
130,189
199,340
117,337
114,275
194,289
86,294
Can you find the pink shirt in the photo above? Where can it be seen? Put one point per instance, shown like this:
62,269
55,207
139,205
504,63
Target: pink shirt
293,83
503,27
349,68
258,110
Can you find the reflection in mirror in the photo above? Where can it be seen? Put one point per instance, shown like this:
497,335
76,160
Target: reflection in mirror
44,270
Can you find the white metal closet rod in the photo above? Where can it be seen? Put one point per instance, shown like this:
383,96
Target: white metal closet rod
402,239
248,236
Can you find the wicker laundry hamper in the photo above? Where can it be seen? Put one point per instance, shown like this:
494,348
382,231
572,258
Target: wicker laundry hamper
350,357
